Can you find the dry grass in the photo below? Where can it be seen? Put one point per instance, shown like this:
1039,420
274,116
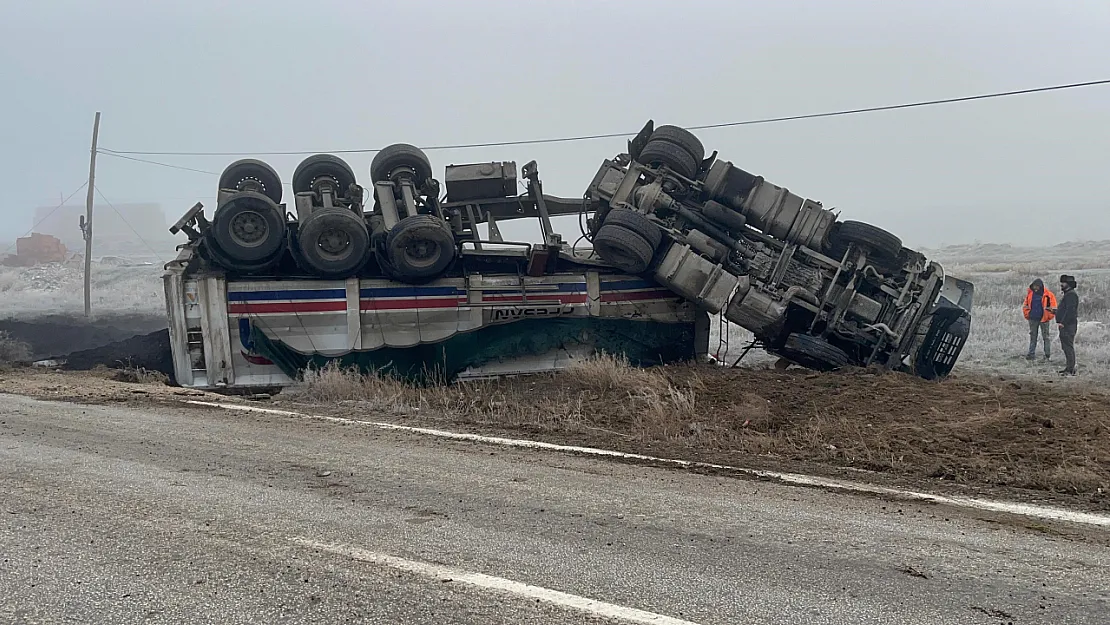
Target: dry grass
334,384
972,431
1000,335
129,374
602,394
139,375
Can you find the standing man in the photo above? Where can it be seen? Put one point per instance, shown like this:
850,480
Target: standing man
1067,321
1038,307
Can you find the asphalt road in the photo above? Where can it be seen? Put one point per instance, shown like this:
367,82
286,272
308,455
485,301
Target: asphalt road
120,515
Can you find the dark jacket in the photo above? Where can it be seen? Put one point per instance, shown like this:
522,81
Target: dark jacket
1067,314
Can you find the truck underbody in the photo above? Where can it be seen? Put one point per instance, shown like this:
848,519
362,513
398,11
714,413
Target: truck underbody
407,283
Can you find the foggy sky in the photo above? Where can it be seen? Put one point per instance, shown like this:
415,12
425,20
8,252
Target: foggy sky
207,75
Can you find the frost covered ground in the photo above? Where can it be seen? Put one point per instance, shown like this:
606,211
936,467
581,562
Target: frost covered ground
117,288
999,333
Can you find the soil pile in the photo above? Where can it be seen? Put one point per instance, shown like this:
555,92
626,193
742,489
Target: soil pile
52,335
147,351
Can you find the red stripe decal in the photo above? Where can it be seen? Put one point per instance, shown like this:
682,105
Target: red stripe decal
436,302
400,304
536,299
286,307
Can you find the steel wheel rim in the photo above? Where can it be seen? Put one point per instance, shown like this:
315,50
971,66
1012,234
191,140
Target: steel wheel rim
249,228
422,253
334,243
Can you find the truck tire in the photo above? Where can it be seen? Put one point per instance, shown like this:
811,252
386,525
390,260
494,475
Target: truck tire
872,238
249,169
814,352
682,138
319,166
212,253
248,228
623,248
419,247
334,243
680,160
636,222
891,265
401,155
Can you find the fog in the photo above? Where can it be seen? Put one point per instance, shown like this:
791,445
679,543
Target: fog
278,75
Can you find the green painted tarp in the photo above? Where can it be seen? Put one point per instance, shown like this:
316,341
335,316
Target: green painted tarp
644,343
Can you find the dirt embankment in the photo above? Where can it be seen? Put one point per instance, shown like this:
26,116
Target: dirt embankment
146,351
974,431
57,335
1033,441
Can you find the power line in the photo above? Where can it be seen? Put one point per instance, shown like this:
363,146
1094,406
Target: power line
612,135
170,166
128,224
143,160
48,214
895,107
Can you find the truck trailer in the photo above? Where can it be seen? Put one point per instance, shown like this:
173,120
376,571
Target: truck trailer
399,278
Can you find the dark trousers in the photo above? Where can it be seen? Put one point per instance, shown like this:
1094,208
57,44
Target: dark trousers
1036,328
1067,344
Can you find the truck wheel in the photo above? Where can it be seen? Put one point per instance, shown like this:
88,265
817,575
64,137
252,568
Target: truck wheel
397,156
659,152
682,138
419,247
891,265
623,248
240,174
249,228
212,253
872,238
320,166
334,243
636,222
814,353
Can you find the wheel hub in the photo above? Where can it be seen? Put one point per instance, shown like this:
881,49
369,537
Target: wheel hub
334,242
250,183
422,252
249,229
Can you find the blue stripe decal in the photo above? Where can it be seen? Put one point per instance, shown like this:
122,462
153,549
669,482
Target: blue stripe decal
627,285
424,291
532,289
411,291
263,296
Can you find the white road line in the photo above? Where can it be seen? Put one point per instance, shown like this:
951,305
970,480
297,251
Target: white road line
440,573
1028,510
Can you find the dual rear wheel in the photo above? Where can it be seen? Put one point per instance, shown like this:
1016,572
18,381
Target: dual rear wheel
248,228
675,148
627,240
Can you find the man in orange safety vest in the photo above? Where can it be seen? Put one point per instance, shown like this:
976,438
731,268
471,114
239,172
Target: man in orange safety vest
1039,307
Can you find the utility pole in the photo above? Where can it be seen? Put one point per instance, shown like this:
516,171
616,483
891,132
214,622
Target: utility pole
86,227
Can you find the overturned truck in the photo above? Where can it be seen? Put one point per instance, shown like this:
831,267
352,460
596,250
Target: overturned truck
399,277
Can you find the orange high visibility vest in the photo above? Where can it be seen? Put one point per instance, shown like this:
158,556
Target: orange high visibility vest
1048,299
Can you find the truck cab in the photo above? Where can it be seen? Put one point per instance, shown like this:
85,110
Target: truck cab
813,289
